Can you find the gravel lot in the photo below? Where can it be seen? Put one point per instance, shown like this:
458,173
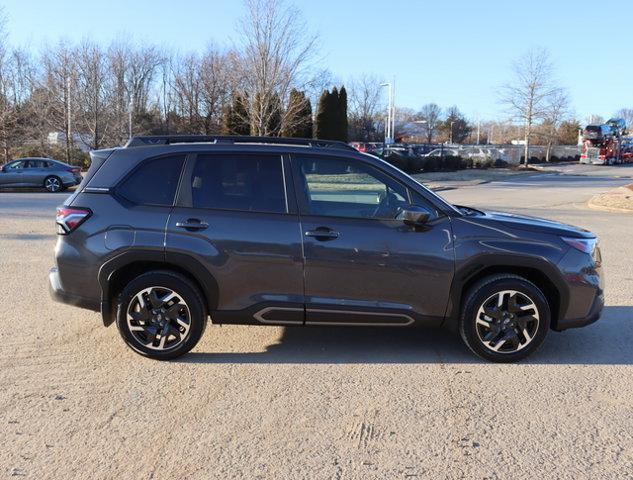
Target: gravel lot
255,402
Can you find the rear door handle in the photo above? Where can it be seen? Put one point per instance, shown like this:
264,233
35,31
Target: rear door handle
192,224
322,233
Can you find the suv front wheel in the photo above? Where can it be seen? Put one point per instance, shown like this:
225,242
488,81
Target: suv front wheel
161,315
505,318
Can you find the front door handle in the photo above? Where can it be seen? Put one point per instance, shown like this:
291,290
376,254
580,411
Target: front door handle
322,233
192,224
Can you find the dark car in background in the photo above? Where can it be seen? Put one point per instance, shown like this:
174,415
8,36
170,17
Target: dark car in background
260,231
35,172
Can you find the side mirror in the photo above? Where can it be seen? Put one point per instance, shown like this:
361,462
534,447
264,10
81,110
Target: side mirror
3,169
414,215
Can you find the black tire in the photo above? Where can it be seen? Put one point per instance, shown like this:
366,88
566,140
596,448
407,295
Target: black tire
485,291
53,184
186,291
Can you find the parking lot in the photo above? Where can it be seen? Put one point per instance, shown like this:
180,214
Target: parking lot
252,402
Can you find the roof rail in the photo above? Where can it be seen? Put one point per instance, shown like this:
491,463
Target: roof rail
147,140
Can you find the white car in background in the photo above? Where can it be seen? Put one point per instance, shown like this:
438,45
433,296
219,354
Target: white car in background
443,152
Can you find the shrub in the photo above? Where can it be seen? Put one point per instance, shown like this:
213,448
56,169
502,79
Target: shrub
482,162
533,160
414,164
398,161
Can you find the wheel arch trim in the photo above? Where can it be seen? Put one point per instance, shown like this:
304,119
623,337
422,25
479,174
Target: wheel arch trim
155,259
482,266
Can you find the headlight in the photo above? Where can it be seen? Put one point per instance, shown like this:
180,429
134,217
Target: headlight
585,245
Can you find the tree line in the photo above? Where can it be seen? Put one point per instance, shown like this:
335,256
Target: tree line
96,96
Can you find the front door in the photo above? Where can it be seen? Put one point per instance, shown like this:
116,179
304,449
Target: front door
235,217
13,174
362,265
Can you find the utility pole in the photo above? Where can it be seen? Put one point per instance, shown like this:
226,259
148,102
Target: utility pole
451,135
478,130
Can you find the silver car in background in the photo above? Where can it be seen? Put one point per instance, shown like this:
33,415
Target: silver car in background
53,175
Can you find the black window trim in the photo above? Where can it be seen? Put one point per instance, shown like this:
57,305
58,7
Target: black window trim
302,199
116,190
184,195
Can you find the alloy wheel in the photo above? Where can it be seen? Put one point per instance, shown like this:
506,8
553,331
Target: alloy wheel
52,184
158,318
507,321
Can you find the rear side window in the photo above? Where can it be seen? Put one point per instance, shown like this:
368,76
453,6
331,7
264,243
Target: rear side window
154,182
251,183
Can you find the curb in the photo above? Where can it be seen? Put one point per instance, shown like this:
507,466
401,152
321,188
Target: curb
595,206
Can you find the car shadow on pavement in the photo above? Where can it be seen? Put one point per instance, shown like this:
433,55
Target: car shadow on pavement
607,342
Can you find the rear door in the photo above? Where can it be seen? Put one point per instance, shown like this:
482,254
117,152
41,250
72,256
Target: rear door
36,173
236,215
363,266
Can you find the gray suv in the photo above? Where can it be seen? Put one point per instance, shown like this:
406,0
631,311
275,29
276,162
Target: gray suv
50,174
168,231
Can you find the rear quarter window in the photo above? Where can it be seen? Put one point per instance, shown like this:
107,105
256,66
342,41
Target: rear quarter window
154,182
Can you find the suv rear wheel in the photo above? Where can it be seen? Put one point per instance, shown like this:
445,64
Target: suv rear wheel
161,315
505,318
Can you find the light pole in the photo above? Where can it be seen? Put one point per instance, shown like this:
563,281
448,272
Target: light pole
389,128
130,107
451,135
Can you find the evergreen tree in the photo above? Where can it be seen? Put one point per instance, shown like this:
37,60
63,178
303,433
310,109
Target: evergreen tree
459,130
324,116
235,116
307,116
332,115
342,115
299,116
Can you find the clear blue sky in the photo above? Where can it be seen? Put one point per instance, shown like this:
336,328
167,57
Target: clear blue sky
448,52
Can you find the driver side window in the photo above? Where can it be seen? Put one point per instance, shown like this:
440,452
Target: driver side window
348,188
15,165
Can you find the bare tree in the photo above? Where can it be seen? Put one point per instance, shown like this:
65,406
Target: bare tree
431,113
165,96
7,83
557,110
365,107
94,95
528,94
187,88
275,54
57,92
627,115
217,82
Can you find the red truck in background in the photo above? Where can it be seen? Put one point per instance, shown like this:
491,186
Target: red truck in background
603,144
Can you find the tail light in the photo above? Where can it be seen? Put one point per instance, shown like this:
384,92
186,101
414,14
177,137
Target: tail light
75,170
69,218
